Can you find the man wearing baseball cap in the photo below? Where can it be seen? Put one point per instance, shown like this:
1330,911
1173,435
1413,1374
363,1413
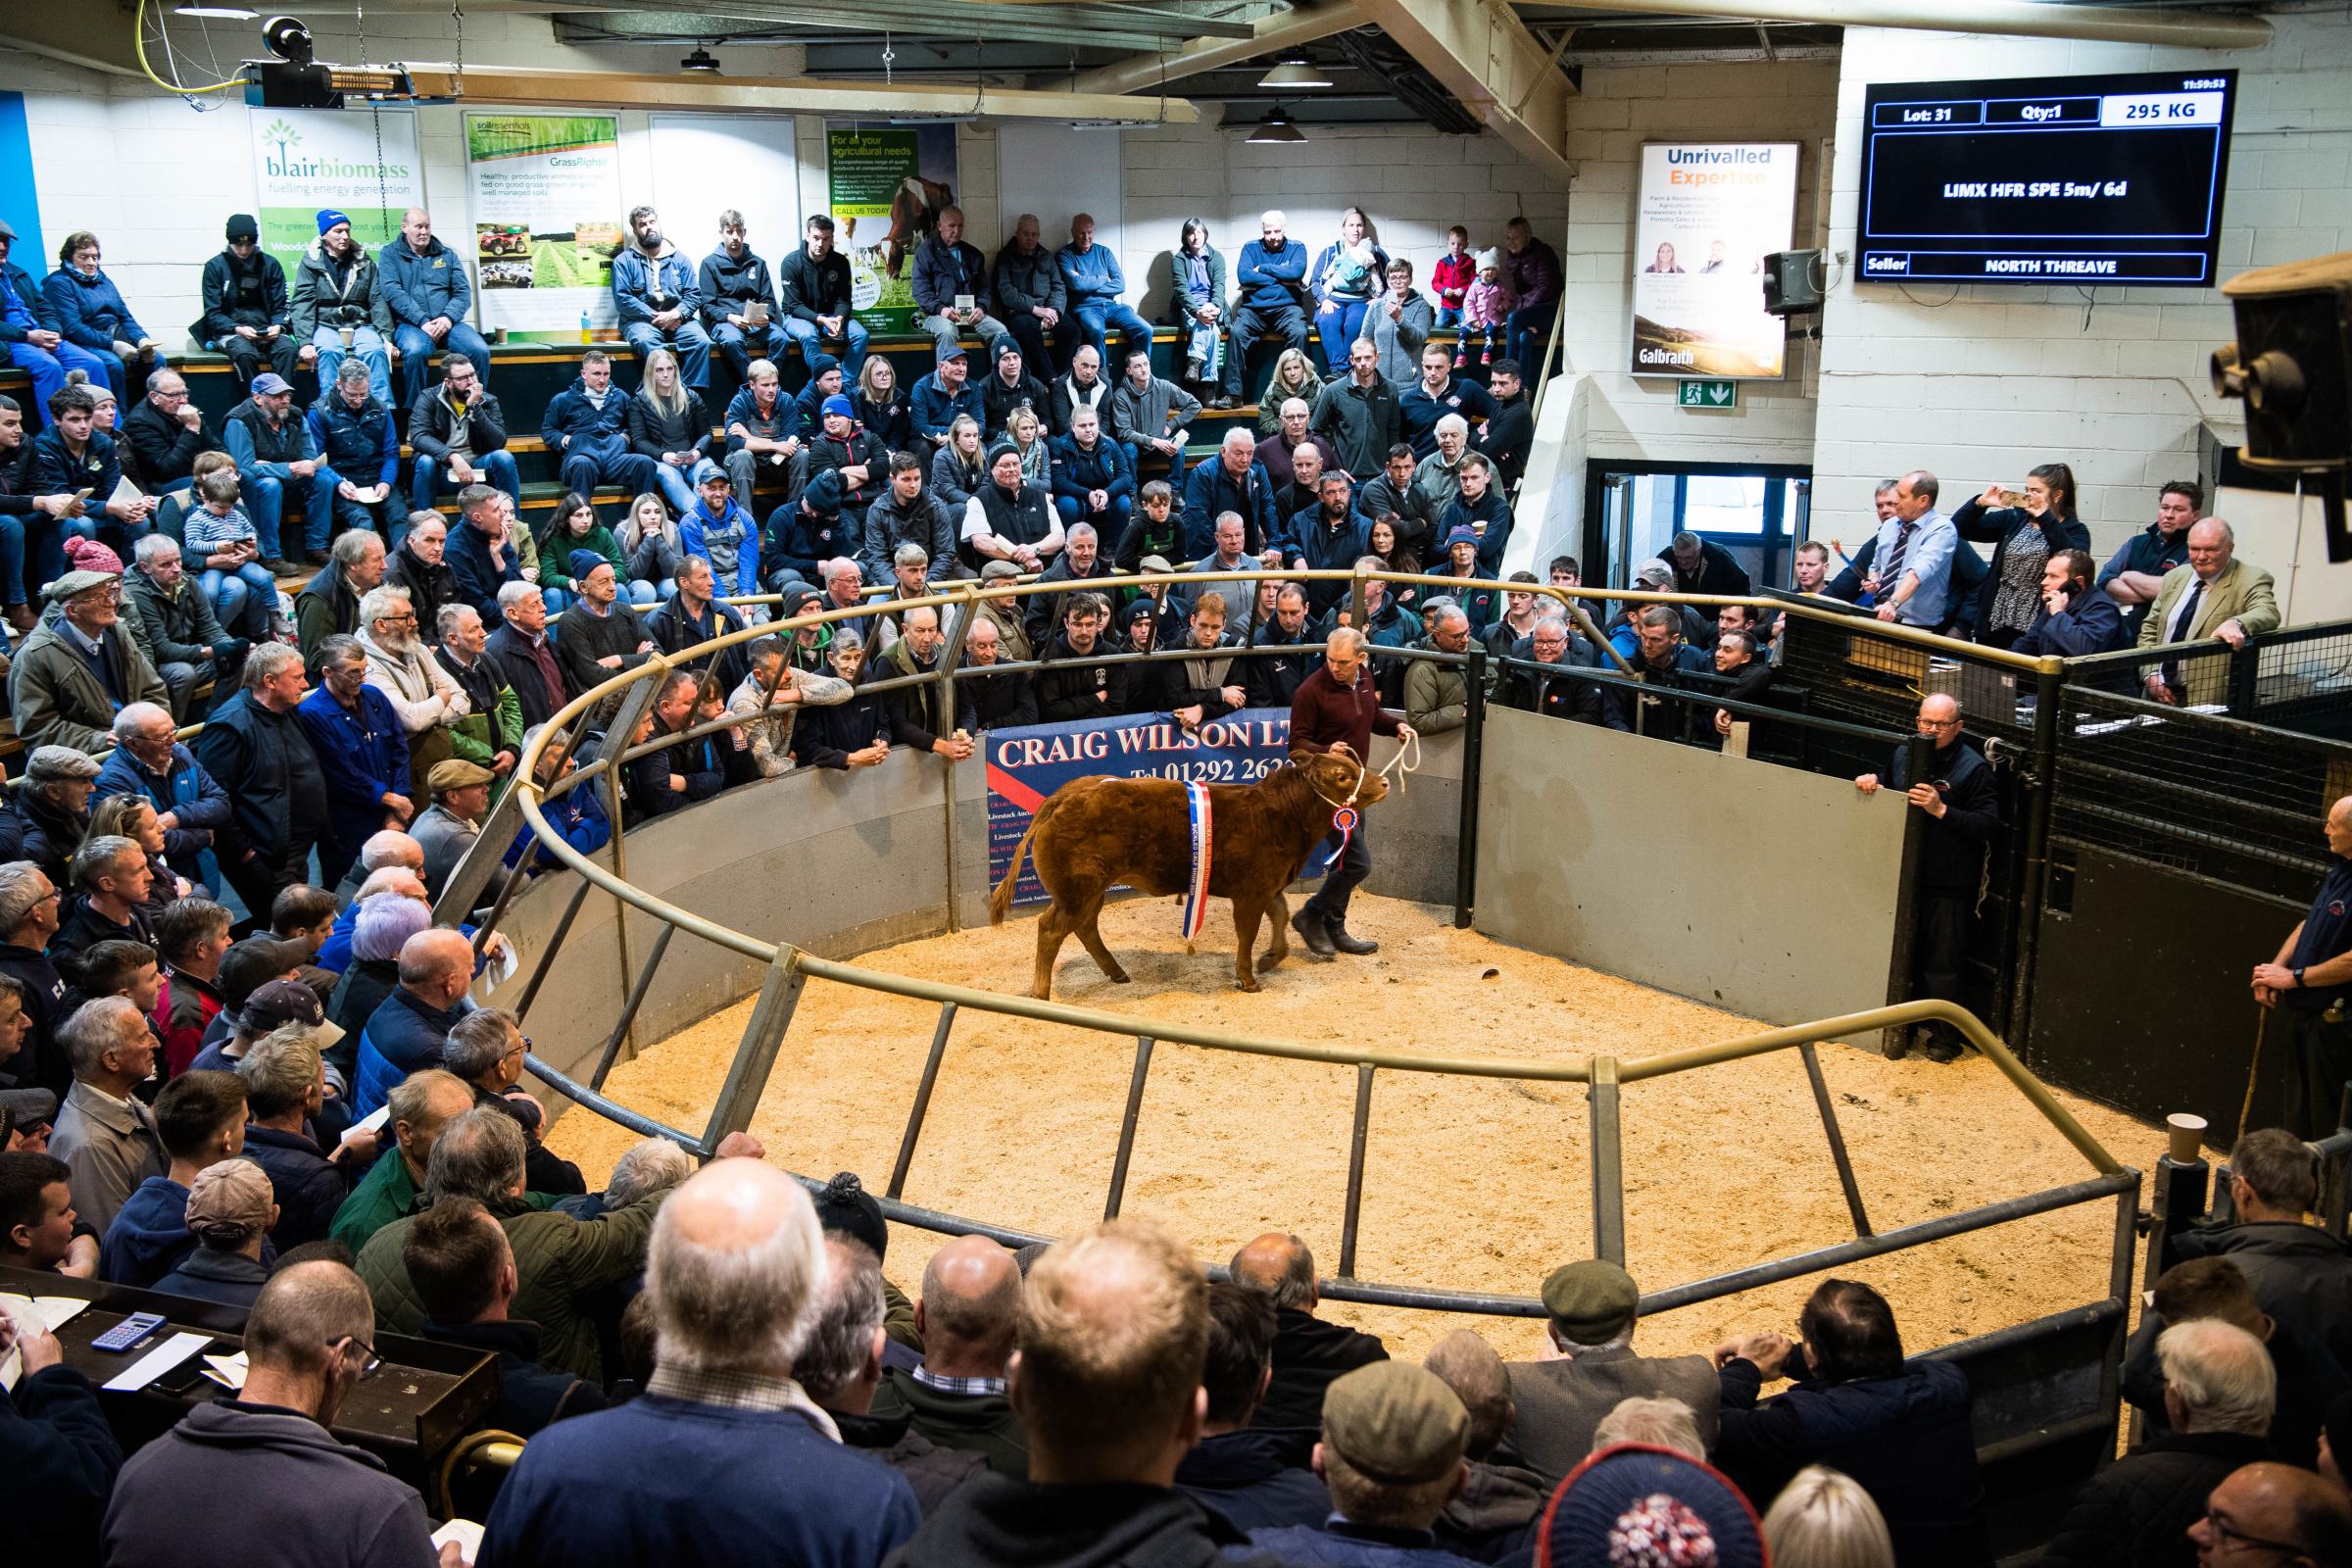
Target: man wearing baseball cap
448,827
1393,1434
277,452
230,1211
1592,1305
245,314
943,394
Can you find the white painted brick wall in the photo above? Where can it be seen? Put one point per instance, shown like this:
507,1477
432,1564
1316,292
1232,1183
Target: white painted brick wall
1979,383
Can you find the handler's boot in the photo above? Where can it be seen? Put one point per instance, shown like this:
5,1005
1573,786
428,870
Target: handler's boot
1340,939
1308,923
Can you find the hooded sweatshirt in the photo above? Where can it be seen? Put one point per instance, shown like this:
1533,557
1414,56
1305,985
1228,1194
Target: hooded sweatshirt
150,1234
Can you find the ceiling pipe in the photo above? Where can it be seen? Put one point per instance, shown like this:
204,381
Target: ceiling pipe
1302,25
2033,18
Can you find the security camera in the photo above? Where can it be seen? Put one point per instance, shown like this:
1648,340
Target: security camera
289,39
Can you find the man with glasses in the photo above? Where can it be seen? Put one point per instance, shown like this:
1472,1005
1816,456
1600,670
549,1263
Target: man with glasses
1956,793
2276,1516
487,1049
187,1498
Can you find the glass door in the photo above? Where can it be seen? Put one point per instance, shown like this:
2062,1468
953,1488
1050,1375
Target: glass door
1758,512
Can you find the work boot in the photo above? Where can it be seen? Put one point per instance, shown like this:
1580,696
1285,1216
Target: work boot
1308,923
1337,931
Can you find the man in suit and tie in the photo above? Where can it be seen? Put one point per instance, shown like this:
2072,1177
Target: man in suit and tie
2215,595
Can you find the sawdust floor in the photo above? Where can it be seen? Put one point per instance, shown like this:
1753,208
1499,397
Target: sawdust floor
1470,1183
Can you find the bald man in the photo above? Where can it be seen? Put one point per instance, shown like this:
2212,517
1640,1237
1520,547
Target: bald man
2274,1513
749,1469
968,1317
1957,796
406,1032
1309,1354
1500,1500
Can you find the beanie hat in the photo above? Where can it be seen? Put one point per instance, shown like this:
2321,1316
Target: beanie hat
837,404
582,563
1489,257
845,1207
88,555
1633,1506
819,363
242,227
329,218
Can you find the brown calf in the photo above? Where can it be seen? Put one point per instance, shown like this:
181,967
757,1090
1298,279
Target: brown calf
1096,832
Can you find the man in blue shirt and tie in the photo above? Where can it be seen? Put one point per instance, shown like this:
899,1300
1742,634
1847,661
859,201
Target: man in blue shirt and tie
1914,560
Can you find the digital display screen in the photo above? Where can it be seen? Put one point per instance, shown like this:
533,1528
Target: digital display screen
2082,179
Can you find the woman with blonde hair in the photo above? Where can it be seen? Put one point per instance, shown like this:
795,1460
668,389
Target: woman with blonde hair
1294,377
649,537
671,429
1026,432
1824,1519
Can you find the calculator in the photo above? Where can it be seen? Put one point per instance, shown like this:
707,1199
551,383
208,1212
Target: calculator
129,1332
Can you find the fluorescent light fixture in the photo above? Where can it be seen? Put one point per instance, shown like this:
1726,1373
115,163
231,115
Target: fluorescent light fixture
216,13
1295,74
702,60
1275,129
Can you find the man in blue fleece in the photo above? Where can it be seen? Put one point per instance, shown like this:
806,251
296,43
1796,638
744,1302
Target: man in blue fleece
1091,275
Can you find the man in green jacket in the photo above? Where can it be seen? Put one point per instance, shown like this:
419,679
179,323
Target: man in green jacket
80,668
421,1105
967,1319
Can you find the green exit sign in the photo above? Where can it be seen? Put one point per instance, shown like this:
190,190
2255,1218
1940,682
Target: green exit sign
1710,395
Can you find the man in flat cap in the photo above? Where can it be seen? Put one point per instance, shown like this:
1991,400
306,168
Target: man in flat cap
1393,1434
79,667
1592,1305
449,826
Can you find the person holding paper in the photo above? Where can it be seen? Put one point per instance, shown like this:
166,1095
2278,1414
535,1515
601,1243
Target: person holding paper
57,1452
739,299
951,286
23,506
76,457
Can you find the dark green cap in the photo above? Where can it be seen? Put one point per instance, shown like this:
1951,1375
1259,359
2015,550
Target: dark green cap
1592,1301
1395,1422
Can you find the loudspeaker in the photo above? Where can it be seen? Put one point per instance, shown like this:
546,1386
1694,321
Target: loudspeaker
2292,362
1791,287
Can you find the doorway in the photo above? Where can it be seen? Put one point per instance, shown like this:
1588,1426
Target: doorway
1757,512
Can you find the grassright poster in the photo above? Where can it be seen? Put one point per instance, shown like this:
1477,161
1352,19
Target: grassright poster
1708,215
887,187
547,217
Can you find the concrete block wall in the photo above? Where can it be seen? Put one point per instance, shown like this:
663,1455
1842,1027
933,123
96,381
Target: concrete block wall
1978,384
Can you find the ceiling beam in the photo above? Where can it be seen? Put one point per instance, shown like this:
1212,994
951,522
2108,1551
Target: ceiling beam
2027,19
1304,24
1485,56
505,85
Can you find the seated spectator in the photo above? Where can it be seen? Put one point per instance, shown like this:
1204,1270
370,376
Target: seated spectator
350,427
1822,1517
1636,1506
423,1106
1252,1478
406,1031
1899,1428
30,332
329,603
402,667
2219,1391
1031,292
1591,1308
753,1468
490,735
200,1118
1010,518
1093,282
1094,480
738,304
1236,482
943,396
58,1454
112,878
2299,1274
74,454
276,449
1275,452
163,435
186,1499
1390,498
762,430
180,622
245,308
192,938
657,298
451,826
362,746
1309,1352
461,1267
671,429
840,1365
339,307
983,700
1271,304
965,1318
78,670
1517,623
425,287
1197,269
285,1088
586,430
525,656
951,286
39,1230
105,1134
2215,595
908,515
226,552
2278,1510
2076,618
90,311
1660,657
1009,386
1393,1437
1149,415
813,288
459,435
21,506
231,1213
598,636
881,408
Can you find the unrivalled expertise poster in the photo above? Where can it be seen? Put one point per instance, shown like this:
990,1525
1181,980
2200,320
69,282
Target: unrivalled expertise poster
547,217
1708,215
886,187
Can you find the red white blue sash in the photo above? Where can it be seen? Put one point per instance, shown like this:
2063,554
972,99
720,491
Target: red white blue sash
1196,892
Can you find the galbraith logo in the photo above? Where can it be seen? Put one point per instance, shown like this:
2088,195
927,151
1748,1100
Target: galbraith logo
285,165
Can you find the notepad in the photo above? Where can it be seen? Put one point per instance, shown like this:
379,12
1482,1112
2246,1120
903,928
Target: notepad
158,1361
466,1532
53,1310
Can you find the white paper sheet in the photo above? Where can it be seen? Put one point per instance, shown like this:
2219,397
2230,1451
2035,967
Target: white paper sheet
55,1310
466,1532
158,1361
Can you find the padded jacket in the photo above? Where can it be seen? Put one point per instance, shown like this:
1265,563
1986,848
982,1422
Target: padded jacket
418,285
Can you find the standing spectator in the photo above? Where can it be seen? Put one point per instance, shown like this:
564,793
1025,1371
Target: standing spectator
755,1470
738,299
1424,403
694,616
423,1106
990,701
463,1268
200,1116
91,312
285,1088
2135,574
30,331
2215,595
1272,304
163,433
245,308
1479,506
1359,414
460,437
1912,570
78,670
1963,810
352,428
2310,977
685,771
1277,452
105,1133
2278,1510
362,749
1437,479
770,696
186,1499
1899,1428
1705,568
1091,275
486,1048
1031,292
669,427
2023,538
1510,433
56,1451
22,508
339,309
406,1031
1309,1354
1252,1478
813,285
2210,1288
656,294
1533,270
598,636
112,880
1342,282
586,430
277,449
425,287
524,655
762,426
256,747
1396,324
1198,272
330,604
2298,1273
951,288
1591,1308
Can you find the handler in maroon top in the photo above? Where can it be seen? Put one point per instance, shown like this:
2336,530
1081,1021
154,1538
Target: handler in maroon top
1337,705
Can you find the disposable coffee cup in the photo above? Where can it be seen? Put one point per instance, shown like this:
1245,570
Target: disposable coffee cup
349,334
2187,1134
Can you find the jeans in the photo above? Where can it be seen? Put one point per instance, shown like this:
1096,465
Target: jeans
1255,324
179,681
429,481
1092,317
11,559
677,484
329,341
1175,460
944,334
807,337
417,349
250,356
1109,525
1337,321
46,542
1330,901
243,599
687,340
265,500
1449,316
606,459
375,516
1524,334
48,368
739,346
1036,353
